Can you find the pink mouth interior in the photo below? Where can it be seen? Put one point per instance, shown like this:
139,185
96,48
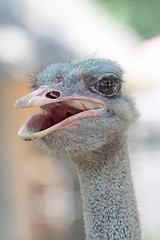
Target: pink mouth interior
56,113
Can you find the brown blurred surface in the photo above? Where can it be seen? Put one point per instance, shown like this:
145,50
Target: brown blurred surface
34,179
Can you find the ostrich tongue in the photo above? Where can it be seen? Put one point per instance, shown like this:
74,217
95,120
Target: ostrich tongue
58,111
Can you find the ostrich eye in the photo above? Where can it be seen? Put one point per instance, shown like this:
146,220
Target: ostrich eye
107,86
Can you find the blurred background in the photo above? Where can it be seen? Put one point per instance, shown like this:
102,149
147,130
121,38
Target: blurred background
40,198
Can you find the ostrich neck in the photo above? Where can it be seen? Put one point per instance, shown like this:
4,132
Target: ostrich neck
110,209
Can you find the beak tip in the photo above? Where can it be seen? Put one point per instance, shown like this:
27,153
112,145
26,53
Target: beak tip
24,135
19,104
16,104
20,133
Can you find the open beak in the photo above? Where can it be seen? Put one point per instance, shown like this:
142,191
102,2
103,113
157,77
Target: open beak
59,111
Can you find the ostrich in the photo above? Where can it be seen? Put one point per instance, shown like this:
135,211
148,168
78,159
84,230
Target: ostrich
86,115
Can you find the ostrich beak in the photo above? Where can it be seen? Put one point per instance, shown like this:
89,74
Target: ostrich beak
38,97
59,111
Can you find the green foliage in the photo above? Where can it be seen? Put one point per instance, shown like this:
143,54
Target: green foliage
141,15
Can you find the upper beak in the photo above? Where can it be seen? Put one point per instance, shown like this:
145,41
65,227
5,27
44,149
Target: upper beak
42,96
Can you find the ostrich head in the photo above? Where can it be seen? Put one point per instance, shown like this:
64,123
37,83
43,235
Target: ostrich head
83,106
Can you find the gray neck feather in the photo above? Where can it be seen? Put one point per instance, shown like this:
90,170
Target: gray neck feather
109,203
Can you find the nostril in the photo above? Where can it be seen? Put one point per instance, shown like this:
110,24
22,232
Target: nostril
53,94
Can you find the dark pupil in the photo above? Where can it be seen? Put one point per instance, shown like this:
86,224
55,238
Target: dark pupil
107,86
